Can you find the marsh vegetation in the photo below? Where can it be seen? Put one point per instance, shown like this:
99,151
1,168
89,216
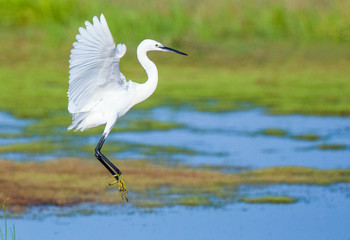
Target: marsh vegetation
262,102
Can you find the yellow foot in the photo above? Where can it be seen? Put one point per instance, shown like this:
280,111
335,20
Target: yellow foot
121,186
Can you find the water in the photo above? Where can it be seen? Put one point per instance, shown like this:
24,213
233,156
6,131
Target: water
11,129
228,139
322,213
11,125
231,138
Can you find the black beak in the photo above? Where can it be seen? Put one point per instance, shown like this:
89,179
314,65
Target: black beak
173,50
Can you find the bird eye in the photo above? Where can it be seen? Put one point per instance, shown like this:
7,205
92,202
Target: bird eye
157,45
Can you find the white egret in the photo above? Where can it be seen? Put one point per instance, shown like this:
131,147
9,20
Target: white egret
98,92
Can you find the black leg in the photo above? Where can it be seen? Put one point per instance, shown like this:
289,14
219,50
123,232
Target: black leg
104,160
111,168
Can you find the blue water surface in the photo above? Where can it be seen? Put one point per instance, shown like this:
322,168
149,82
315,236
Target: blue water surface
321,213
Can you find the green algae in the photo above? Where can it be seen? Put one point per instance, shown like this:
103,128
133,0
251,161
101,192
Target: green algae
49,146
274,132
307,137
331,146
271,200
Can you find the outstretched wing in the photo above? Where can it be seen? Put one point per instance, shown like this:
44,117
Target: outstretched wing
94,66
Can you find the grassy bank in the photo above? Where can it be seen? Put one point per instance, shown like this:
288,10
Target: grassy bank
290,56
72,181
178,21
308,87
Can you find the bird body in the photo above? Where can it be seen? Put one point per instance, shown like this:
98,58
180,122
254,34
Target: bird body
98,92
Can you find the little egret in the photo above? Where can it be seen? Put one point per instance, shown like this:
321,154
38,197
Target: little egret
98,92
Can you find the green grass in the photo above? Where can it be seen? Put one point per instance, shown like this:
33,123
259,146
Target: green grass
40,91
177,21
289,56
271,200
33,147
12,230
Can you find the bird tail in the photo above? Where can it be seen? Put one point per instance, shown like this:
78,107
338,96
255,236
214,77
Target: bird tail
77,120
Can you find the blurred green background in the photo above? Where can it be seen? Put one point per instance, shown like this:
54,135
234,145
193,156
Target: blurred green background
291,56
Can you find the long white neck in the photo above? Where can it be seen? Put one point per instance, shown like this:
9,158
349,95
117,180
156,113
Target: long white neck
146,89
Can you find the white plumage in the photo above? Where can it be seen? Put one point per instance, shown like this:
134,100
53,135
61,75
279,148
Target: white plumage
94,70
98,92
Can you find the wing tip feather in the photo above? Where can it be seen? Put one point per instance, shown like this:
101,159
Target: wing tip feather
95,20
120,50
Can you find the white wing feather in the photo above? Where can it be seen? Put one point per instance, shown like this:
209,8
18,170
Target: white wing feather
94,66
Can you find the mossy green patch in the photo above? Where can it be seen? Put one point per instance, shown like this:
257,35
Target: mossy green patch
10,135
283,133
152,150
50,125
149,125
271,199
331,146
49,146
296,175
273,132
194,200
307,137
33,147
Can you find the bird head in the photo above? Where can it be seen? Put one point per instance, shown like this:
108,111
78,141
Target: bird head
152,45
